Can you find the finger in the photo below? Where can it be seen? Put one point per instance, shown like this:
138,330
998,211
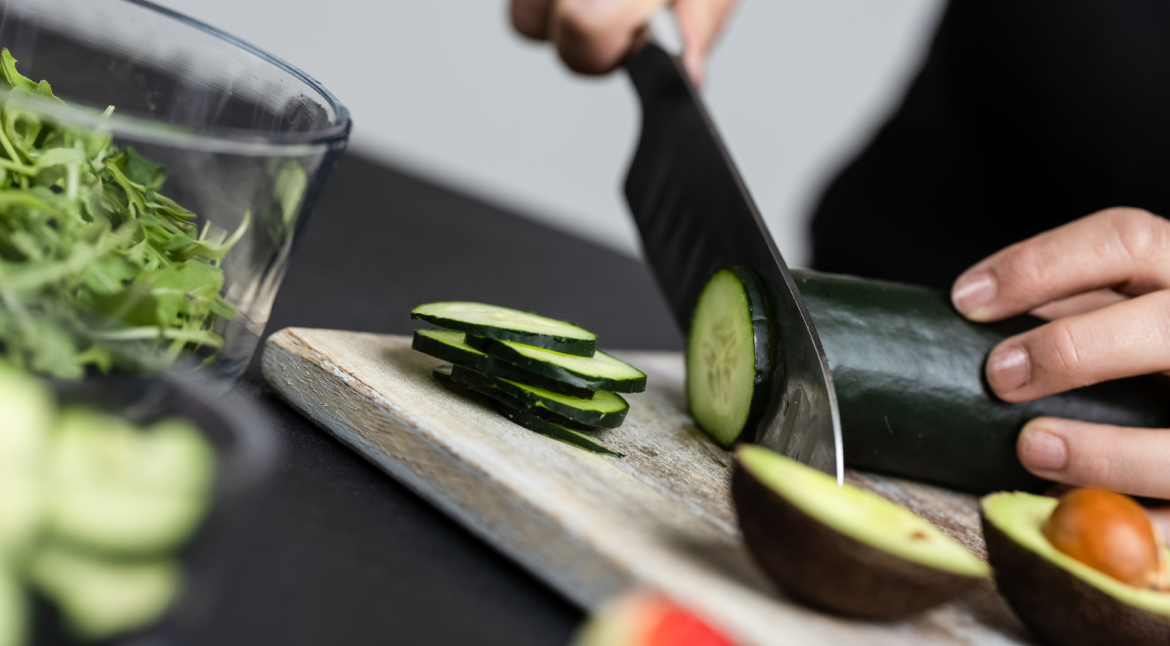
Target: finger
530,17
1079,304
1160,517
1123,340
1124,249
593,36
1128,460
701,22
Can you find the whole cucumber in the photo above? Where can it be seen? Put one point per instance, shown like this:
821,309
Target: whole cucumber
908,371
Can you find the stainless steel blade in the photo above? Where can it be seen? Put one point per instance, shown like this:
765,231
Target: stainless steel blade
695,215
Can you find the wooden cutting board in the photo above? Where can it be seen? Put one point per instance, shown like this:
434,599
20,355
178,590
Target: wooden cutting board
594,526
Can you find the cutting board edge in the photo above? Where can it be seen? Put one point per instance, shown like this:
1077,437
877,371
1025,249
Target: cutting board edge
280,360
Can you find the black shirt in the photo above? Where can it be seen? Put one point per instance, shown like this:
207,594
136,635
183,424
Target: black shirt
1026,114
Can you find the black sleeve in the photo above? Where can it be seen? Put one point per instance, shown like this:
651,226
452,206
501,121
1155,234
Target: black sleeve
1026,114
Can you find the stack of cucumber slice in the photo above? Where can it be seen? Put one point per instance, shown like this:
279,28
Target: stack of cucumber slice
93,511
543,374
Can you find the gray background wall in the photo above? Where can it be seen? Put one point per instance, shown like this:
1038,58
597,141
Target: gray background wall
445,88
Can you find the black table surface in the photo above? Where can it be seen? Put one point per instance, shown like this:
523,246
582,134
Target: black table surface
337,552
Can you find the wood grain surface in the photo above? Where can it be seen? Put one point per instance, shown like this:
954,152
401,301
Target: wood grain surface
593,526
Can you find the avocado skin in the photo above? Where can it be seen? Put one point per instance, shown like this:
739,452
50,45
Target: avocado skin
1062,608
829,570
908,373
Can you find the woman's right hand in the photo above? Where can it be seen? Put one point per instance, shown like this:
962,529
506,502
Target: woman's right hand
593,36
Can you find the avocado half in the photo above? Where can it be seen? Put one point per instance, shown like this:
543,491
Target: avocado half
1063,600
841,548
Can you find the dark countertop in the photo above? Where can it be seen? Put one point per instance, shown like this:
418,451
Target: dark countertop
337,552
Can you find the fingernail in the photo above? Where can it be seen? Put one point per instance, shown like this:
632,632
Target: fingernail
1007,368
972,293
1043,451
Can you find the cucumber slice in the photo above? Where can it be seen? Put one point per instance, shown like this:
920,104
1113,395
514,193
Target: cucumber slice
121,490
14,609
728,356
21,504
450,346
599,372
443,375
553,430
100,598
26,413
28,410
605,410
509,325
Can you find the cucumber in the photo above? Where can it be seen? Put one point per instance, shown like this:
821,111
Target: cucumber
605,410
599,372
553,430
908,371
728,356
509,325
21,506
450,346
100,598
118,489
443,374
26,414
28,411
14,608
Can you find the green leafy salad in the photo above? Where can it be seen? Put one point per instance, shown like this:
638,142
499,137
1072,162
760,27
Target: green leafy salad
95,263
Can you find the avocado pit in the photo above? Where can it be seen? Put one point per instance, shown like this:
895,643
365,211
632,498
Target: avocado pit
1110,533
1064,600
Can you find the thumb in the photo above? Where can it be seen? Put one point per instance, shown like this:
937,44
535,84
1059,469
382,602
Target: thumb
594,36
701,22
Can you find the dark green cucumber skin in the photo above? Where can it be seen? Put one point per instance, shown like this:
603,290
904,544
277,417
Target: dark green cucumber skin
553,372
908,371
577,347
553,430
763,343
492,366
478,380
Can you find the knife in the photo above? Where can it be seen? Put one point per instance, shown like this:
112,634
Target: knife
695,216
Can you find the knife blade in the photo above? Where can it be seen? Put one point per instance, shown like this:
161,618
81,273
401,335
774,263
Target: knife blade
695,215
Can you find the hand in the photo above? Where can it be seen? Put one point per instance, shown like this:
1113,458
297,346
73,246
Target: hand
1104,280
593,36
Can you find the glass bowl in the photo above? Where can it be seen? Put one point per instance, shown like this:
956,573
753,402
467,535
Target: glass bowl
245,143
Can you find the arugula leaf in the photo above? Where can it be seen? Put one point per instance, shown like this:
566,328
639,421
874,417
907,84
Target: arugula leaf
97,268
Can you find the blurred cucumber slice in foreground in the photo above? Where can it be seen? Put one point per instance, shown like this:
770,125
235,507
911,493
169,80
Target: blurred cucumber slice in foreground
14,608
118,489
100,598
28,409
21,506
26,413
508,324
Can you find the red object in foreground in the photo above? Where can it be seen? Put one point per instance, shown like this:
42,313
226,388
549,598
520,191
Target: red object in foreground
647,619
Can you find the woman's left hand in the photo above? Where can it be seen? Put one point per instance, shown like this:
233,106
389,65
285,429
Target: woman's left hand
1104,283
